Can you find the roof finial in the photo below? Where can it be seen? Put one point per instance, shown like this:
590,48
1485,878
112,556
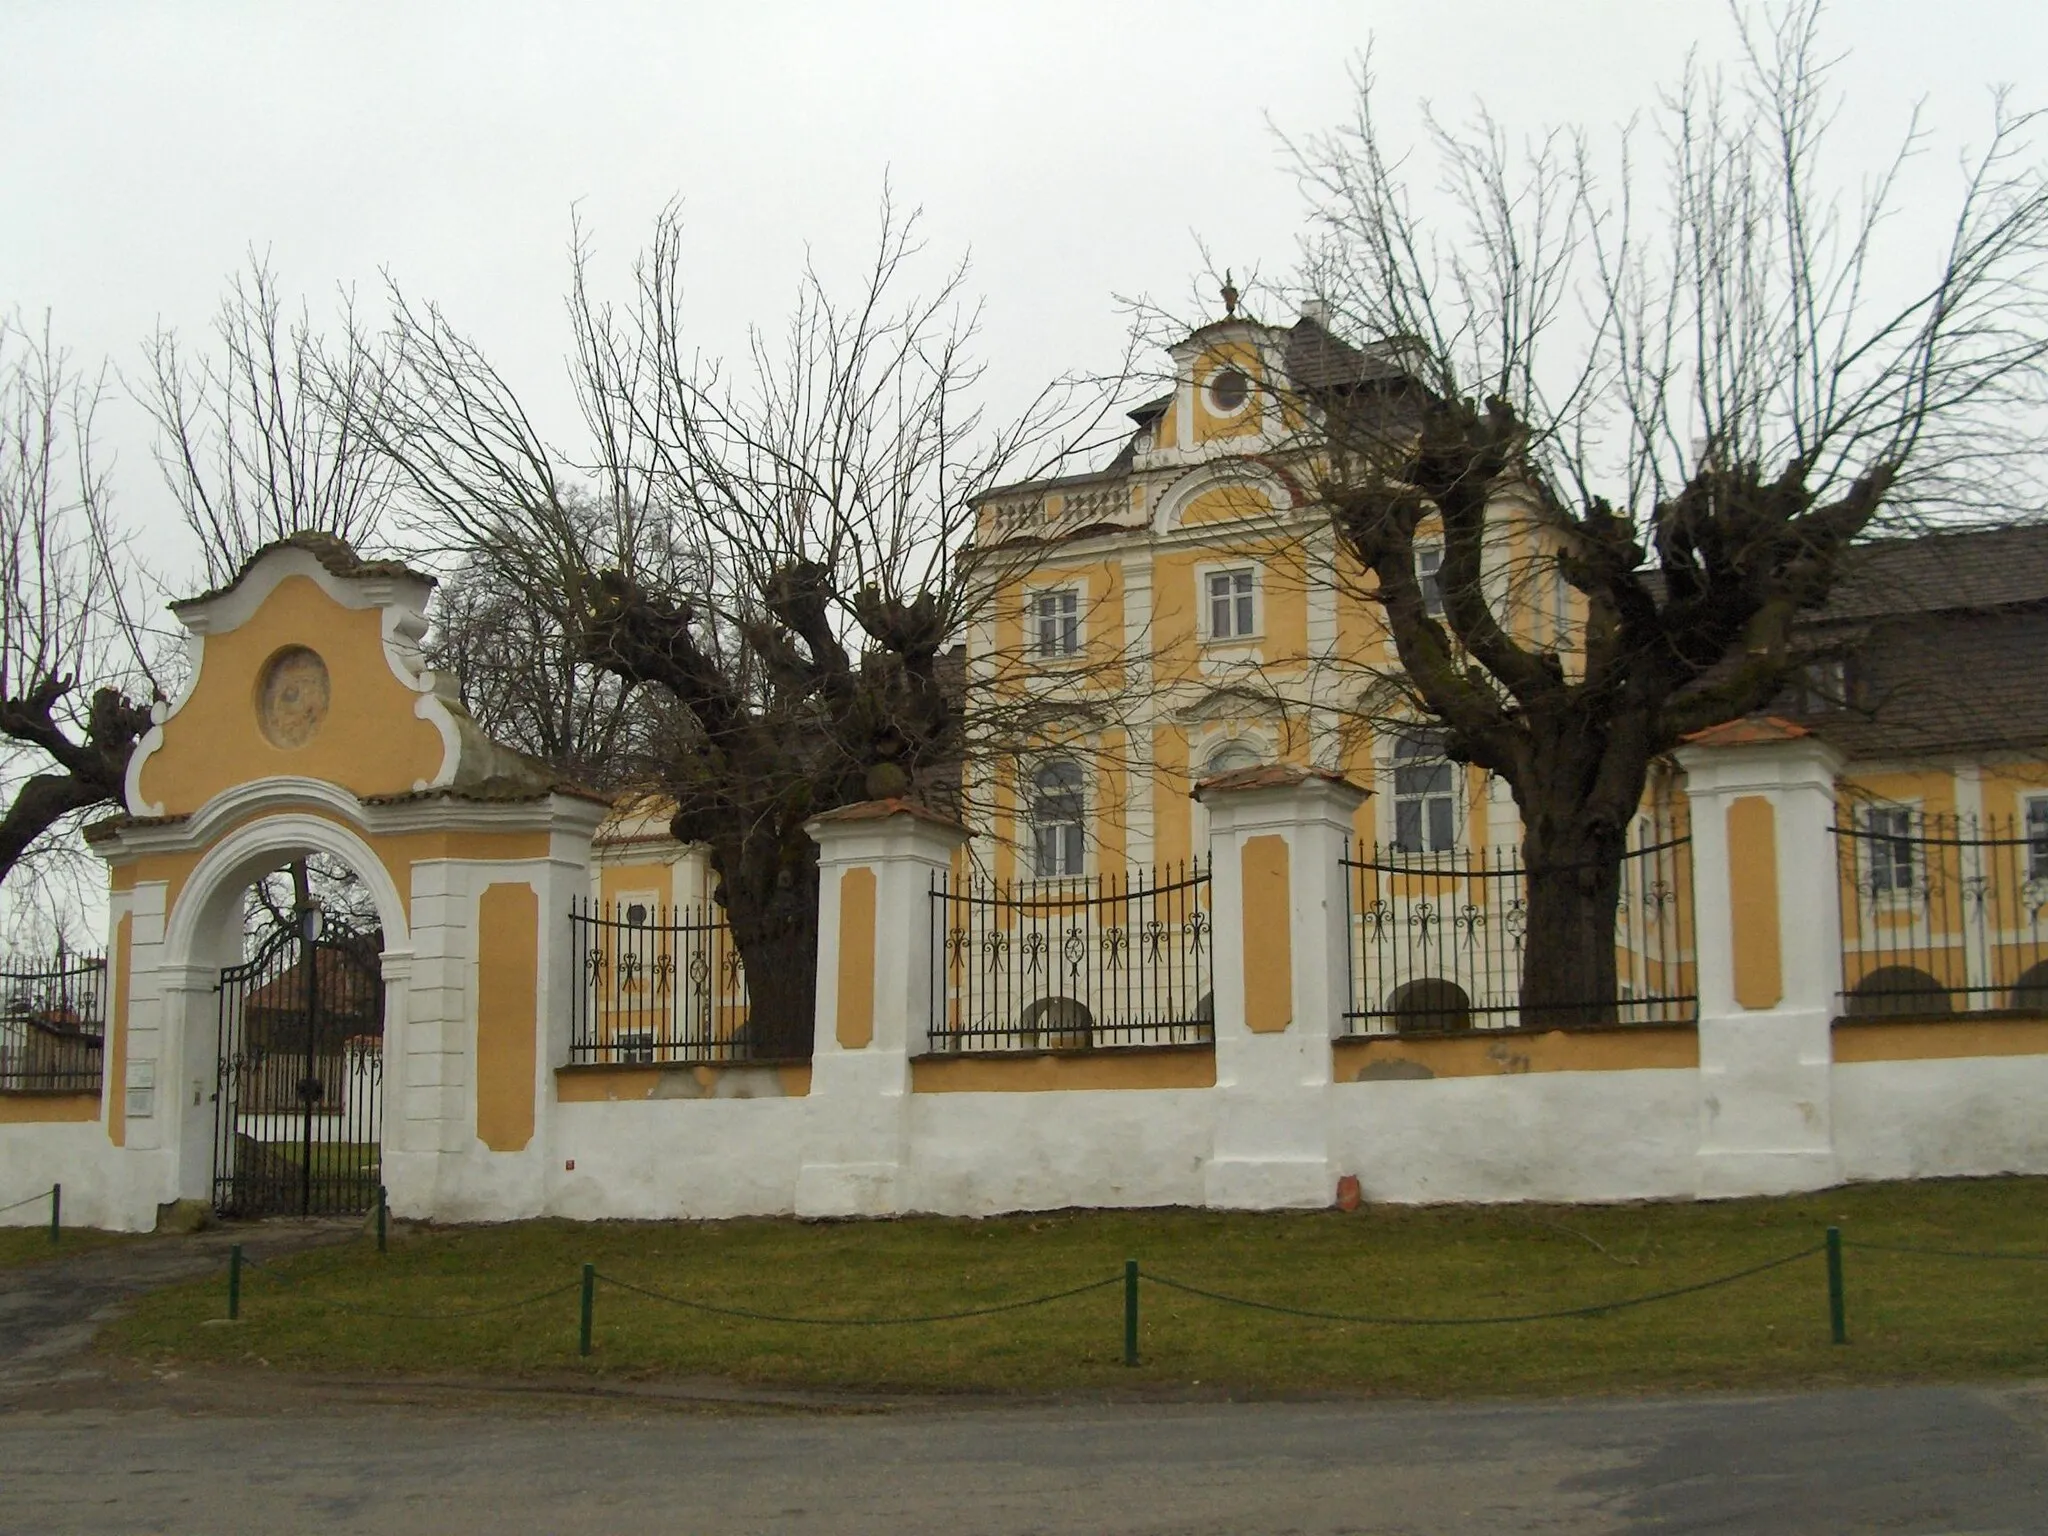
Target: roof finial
1229,295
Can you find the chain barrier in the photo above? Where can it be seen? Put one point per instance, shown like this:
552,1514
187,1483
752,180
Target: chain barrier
1595,1310
35,1199
1130,1280
860,1322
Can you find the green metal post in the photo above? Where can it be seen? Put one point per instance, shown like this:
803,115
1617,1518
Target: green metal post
589,1302
382,1205
56,1211
234,1282
1130,1311
1838,1303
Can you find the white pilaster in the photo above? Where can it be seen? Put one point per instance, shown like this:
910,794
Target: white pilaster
1766,1125
1271,1143
857,1118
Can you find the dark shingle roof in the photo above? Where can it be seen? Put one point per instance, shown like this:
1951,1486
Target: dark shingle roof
1945,639
1969,569
1316,359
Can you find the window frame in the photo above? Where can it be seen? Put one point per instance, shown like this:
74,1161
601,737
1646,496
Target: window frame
1071,847
2032,807
1034,621
1249,601
1418,742
1891,887
1430,581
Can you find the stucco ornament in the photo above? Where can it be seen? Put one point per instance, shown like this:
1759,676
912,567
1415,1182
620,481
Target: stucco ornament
292,697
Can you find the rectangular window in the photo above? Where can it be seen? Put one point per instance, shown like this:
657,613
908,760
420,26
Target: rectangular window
1429,565
1425,796
1056,622
1230,605
1058,808
1888,847
1560,609
2037,838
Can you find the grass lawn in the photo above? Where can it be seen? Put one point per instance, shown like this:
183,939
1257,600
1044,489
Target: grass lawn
1909,1317
32,1245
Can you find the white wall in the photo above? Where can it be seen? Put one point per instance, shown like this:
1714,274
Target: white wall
1941,1119
103,1186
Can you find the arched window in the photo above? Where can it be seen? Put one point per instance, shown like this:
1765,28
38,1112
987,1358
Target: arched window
1425,794
1057,807
1229,758
1431,1003
1898,989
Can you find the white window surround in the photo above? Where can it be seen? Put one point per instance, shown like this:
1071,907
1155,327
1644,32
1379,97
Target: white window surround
1052,621
1056,818
1254,598
1213,397
1388,767
2034,828
1890,853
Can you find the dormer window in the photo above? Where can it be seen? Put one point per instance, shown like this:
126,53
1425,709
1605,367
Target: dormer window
1228,391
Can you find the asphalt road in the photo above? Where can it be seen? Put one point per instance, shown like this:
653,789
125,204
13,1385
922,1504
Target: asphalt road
90,1445
1905,1460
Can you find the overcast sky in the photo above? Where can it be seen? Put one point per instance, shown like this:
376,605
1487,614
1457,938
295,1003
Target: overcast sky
1078,151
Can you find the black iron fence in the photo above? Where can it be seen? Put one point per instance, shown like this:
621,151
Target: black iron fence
52,1024
1114,960
1941,914
1437,938
659,984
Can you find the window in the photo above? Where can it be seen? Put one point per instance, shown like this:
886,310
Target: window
1228,391
1560,608
1056,807
1888,847
1425,795
1230,605
1429,564
1234,755
2037,838
1056,622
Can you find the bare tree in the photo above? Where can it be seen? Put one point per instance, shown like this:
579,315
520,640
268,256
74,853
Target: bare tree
263,434
74,676
1697,390
527,681
781,556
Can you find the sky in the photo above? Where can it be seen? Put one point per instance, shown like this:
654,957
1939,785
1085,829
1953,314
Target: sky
1079,154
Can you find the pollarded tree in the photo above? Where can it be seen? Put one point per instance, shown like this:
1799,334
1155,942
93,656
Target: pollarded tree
527,681
1696,409
74,676
780,557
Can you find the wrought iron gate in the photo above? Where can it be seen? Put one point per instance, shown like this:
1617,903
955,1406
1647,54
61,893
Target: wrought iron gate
299,1093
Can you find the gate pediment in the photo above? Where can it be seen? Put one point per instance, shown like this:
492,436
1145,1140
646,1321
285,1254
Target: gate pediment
308,665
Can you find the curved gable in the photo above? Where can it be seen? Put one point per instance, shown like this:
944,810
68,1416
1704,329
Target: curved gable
300,672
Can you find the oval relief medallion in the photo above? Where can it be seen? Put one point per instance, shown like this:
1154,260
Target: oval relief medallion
291,697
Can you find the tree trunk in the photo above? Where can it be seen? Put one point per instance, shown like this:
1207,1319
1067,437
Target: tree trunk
769,889
1572,856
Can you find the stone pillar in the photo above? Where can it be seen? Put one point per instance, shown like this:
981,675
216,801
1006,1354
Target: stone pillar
1276,836
877,968
1767,937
